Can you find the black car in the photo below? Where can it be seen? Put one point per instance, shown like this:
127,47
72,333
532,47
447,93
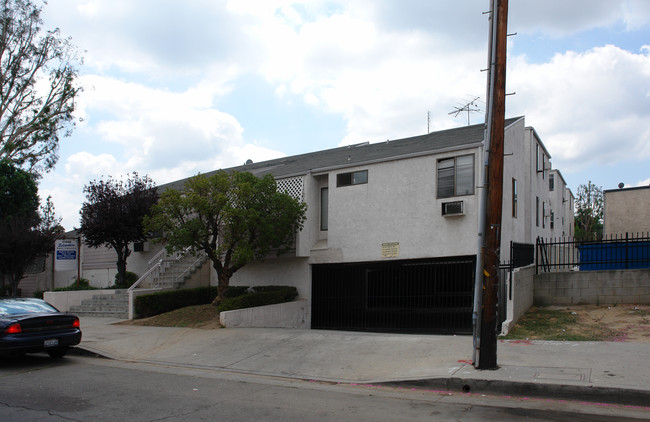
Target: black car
33,325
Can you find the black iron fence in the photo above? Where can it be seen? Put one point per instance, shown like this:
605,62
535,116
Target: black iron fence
623,251
417,296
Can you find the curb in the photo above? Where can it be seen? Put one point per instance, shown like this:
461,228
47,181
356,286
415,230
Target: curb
577,393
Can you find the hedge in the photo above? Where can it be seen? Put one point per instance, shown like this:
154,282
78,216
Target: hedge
79,284
259,296
167,301
236,297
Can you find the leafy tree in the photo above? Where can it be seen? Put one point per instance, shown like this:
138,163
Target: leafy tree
233,217
26,234
589,212
113,212
37,73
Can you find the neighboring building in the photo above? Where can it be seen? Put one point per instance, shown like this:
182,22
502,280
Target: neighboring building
73,259
390,240
626,211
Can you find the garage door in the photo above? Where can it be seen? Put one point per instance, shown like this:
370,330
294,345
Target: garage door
416,296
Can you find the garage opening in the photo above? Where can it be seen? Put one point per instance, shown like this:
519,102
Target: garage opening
433,296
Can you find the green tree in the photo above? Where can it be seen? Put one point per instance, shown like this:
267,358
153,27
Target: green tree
37,91
589,212
113,213
26,234
233,217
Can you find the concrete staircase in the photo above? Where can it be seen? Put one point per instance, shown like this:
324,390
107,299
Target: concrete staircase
180,271
174,274
114,305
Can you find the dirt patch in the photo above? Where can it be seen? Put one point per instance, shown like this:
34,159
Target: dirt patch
622,323
201,316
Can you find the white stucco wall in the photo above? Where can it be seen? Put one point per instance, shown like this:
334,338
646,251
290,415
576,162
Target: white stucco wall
398,204
280,271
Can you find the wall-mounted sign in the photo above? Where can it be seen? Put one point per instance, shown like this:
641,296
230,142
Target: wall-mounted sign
390,250
65,255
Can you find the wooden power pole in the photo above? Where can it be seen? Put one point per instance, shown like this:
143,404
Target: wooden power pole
487,357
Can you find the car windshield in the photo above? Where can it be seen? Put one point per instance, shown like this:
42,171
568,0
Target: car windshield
22,307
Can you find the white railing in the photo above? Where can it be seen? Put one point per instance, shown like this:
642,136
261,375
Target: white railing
159,264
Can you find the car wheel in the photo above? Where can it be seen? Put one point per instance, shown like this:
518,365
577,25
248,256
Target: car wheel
58,352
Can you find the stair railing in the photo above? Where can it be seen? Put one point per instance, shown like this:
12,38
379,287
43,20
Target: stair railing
158,265
200,258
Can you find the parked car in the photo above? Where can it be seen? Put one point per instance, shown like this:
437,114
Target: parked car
33,325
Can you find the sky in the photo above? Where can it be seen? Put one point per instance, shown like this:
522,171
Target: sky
172,88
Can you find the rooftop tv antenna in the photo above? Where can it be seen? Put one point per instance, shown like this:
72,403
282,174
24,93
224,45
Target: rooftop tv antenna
468,107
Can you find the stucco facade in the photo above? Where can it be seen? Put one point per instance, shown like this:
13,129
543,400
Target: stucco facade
398,208
409,202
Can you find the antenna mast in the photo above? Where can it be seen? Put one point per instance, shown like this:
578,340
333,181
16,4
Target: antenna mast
468,107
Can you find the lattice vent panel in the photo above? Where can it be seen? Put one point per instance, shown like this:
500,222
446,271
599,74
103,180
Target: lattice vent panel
293,186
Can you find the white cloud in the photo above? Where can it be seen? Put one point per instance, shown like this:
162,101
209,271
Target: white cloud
559,18
156,71
589,107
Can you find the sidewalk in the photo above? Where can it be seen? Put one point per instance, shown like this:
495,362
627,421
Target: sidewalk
591,371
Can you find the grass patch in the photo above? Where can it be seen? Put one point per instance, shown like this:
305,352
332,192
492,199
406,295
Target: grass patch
557,325
198,316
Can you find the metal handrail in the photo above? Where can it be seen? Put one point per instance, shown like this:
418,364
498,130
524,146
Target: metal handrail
199,257
156,266
158,262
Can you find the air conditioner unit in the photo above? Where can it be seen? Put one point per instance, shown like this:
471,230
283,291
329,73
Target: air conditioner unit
141,247
450,209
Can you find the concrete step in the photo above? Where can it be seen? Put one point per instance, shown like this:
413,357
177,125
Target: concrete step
98,308
99,314
104,305
108,299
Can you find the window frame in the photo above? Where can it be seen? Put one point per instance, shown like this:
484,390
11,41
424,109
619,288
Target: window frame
455,176
342,178
514,197
324,209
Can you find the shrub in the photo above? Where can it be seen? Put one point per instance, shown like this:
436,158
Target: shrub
159,303
78,284
259,296
234,291
129,279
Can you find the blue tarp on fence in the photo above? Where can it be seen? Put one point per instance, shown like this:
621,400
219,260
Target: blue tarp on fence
614,256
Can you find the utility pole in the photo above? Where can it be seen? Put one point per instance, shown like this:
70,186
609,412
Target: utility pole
485,334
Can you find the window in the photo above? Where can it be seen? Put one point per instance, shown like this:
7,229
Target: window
551,182
552,220
541,161
456,176
537,211
354,178
514,198
324,204
543,215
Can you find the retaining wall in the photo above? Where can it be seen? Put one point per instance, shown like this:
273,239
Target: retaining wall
606,287
523,282
64,300
283,315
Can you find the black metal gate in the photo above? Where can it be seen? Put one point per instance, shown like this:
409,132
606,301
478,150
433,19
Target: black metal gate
417,296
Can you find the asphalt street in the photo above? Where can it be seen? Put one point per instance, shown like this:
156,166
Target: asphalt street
77,388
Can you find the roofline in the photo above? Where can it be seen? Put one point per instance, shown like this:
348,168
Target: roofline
626,189
517,119
322,170
539,140
559,174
